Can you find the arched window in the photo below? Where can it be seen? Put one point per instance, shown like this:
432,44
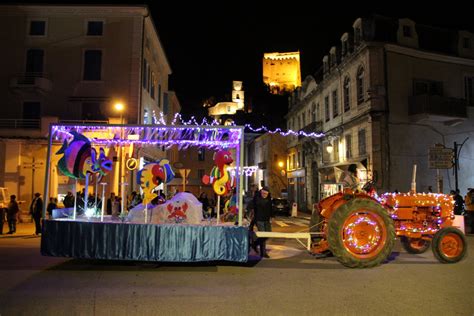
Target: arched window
360,85
314,112
347,96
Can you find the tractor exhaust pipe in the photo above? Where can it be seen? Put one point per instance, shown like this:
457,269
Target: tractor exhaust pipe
413,180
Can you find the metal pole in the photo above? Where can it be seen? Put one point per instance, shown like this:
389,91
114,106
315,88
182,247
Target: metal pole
48,168
240,174
456,163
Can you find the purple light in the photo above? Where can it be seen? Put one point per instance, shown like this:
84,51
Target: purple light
192,121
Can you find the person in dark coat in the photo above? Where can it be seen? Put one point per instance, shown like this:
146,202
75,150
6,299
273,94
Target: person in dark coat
52,205
12,214
36,210
68,200
262,206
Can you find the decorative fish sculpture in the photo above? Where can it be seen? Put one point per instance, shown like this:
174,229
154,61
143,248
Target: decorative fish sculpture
152,175
79,158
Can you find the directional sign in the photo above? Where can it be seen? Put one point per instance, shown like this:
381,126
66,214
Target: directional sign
132,164
441,157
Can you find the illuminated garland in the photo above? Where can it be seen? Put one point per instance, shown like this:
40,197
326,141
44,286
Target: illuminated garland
178,120
180,136
248,170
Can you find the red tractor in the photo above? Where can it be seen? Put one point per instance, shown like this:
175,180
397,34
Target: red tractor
360,228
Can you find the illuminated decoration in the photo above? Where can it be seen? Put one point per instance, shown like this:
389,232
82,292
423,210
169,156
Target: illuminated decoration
167,136
438,207
179,120
220,179
79,158
248,170
151,176
281,71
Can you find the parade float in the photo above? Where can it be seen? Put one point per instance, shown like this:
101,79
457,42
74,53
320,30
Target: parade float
156,229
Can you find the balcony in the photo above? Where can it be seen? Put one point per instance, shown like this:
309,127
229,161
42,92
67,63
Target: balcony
20,124
437,108
31,82
314,127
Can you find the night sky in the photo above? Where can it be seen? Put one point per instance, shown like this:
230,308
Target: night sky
209,45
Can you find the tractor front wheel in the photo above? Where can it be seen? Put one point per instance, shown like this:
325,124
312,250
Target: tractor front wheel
414,245
449,245
361,234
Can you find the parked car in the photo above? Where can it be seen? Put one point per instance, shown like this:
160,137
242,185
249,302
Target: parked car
281,205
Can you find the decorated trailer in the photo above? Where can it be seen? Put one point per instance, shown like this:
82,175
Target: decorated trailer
92,159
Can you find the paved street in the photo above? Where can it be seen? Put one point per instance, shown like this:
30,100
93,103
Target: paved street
291,282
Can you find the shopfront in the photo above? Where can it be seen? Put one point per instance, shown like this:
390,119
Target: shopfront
297,188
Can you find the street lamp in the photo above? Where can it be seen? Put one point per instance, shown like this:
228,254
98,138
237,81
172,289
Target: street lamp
280,164
119,107
329,148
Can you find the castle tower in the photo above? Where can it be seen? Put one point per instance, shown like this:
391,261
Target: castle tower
281,71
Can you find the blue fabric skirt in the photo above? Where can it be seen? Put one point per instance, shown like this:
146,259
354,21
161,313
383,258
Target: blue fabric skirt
144,242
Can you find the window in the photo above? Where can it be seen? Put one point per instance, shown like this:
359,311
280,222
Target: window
335,104
201,154
361,139
347,97
406,31
92,65
146,117
326,108
335,150
145,74
348,146
34,62
149,78
159,94
95,28
37,28
31,110
165,103
427,87
360,85
91,111
466,42
357,36
152,84
344,48
314,113
469,89
201,173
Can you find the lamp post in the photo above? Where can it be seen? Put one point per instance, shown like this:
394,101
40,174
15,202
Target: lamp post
120,107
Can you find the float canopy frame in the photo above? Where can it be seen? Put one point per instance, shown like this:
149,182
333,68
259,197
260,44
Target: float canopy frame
183,136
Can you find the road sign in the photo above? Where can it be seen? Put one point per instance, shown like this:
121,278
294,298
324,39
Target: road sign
132,164
441,157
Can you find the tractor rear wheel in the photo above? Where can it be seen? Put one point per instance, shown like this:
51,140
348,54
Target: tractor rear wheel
415,245
361,234
449,245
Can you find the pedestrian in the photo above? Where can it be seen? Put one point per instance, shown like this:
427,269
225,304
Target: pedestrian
2,219
68,200
36,210
430,189
52,205
458,202
110,201
135,199
205,204
262,206
12,214
469,208
116,207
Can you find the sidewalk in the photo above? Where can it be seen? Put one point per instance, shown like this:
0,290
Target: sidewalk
22,229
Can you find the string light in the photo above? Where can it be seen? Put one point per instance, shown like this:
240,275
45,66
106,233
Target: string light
248,170
178,119
167,136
